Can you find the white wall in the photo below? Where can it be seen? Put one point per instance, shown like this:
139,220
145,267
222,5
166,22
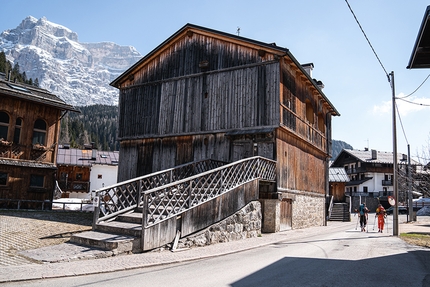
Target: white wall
108,176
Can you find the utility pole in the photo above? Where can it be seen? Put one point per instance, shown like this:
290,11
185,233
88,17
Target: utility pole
410,208
395,186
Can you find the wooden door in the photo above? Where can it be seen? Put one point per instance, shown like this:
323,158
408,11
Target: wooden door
286,214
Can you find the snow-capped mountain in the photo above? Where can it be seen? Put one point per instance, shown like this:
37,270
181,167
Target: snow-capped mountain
79,73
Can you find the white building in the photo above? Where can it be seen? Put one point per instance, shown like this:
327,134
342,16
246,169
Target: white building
81,172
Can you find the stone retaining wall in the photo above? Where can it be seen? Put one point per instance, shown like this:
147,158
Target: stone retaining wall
308,211
246,223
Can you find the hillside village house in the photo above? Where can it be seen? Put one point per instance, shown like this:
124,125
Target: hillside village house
371,174
82,171
29,131
206,94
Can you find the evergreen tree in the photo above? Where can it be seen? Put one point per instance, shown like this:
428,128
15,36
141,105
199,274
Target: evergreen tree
3,62
96,124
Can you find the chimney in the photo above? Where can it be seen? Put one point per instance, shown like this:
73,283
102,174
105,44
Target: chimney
93,151
374,154
319,84
308,68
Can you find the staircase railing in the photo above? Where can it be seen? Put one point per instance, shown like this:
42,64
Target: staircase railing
166,201
124,196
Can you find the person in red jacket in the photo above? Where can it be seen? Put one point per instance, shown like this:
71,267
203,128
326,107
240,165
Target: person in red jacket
380,212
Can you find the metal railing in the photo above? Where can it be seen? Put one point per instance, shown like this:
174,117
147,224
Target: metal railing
28,204
167,201
125,196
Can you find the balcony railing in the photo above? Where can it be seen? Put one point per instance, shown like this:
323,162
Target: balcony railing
387,183
74,186
32,152
303,129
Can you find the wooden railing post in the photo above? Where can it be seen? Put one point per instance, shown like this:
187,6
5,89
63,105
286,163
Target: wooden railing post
96,204
139,192
145,210
189,194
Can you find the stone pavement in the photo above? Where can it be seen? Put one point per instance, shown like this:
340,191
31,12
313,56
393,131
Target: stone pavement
72,260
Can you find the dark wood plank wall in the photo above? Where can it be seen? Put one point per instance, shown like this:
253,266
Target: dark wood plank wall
302,145
29,112
299,168
145,156
172,95
29,159
19,185
173,112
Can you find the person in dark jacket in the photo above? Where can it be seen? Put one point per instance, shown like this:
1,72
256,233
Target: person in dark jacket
363,216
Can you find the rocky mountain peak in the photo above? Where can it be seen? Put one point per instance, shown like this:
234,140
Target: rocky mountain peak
79,73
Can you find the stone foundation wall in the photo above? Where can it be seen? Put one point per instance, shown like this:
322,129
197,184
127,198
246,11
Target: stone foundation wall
246,223
308,210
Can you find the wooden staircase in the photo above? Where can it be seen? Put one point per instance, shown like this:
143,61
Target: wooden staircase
136,218
340,212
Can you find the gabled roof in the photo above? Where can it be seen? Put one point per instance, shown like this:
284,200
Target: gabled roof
272,47
337,174
381,157
358,182
78,157
420,57
33,94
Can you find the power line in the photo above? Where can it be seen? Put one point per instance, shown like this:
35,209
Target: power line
370,44
418,104
401,123
415,89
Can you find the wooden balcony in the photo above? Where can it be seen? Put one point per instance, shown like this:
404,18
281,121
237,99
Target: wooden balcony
22,152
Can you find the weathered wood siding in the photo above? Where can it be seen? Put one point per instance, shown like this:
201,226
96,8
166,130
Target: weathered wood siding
300,168
303,109
172,95
19,186
145,156
29,112
26,159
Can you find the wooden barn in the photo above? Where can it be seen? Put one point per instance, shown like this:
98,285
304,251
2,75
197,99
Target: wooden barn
205,94
29,131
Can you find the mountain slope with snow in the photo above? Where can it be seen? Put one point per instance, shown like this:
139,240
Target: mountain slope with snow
79,73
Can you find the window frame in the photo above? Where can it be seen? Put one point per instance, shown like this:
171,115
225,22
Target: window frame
5,125
39,133
6,178
37,178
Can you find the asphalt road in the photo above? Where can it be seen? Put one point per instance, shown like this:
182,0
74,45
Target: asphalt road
342,257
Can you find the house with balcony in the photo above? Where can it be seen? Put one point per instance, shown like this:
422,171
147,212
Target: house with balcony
371,173
82,171
29,131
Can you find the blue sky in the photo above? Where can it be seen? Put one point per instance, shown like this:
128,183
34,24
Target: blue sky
322,32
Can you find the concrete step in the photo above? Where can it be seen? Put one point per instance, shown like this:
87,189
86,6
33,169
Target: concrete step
134,217
118,227
107,241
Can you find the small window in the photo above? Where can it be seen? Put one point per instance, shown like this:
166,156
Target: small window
39,132
99,176
3,178
321,124
17,134
79,176
365,189
4,125
309,112
37,180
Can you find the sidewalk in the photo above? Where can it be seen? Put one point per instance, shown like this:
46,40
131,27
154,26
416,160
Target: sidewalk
35,270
